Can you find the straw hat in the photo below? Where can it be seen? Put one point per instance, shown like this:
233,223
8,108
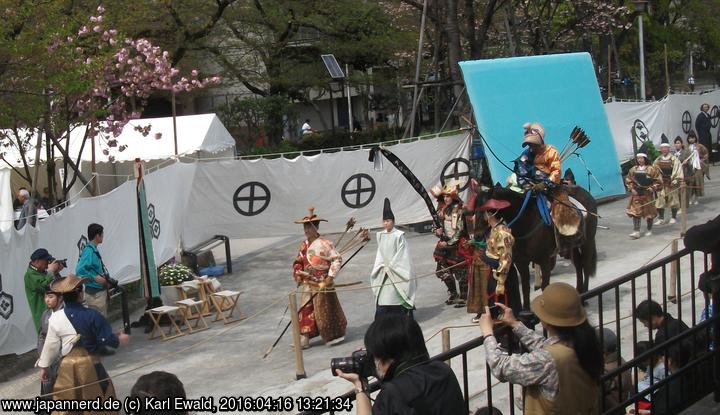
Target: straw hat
494,204
66,284
311,217
559,305
534,134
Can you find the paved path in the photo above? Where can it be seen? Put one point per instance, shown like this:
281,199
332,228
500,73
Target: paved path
227,360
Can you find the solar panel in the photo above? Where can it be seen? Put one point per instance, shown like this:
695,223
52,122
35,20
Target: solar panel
332,66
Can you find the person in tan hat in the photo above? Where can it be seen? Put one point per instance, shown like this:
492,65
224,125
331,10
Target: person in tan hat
452,235
315,268
557,370
75,334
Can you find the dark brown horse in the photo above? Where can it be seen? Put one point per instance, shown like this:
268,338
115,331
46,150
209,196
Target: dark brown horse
536,242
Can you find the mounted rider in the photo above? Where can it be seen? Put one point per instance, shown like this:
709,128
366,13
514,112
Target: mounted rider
539,168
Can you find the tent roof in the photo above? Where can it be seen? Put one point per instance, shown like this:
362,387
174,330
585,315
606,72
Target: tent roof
204,132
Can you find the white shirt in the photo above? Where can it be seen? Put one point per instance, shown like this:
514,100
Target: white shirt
306,128
61,338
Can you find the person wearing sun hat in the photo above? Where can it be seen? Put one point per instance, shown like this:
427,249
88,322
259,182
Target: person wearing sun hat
75,334
643,180
315,268
503,286
557,370
452,234
671,173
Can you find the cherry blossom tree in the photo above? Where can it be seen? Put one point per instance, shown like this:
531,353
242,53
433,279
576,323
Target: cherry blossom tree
88,79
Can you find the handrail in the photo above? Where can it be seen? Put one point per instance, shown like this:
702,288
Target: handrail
699,355
610,285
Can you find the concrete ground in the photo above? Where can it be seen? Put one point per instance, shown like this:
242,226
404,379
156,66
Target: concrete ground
227,359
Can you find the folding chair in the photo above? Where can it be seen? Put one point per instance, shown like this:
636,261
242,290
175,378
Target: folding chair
192,310
171,313
225,303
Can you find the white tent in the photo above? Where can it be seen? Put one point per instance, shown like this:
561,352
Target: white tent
198,136
203,134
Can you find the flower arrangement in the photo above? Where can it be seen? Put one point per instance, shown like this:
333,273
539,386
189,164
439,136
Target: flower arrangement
175,274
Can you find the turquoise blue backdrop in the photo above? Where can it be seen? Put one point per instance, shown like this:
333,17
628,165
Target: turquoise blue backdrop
560,92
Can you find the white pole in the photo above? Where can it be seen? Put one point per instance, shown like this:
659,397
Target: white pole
347,84
642,57
691,63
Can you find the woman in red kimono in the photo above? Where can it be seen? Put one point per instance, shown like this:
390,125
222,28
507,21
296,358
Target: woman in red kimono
316,267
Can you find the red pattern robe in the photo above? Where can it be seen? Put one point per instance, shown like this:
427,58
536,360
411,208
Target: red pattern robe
318,262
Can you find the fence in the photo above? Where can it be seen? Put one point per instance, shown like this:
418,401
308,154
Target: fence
607,306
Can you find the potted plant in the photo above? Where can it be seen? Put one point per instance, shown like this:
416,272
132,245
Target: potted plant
170,276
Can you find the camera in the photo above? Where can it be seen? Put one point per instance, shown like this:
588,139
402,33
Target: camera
62,262
360,362
495,312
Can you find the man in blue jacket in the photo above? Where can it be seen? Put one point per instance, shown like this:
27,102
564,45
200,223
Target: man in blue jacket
91,269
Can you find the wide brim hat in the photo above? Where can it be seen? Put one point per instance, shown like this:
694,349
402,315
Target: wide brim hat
559,305
493,204
311,217
534,134
66,284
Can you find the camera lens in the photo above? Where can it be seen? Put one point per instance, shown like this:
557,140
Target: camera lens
346,364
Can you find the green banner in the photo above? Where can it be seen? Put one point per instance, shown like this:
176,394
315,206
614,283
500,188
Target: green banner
148,265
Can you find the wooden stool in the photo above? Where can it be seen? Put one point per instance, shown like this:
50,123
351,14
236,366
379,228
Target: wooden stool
192,310
205,289
225,303
171,312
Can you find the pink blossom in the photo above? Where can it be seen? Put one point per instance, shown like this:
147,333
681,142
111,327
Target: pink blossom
100,9
97,29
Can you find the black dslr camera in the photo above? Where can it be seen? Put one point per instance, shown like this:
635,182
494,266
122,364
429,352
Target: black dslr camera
507,339
360,362
62,262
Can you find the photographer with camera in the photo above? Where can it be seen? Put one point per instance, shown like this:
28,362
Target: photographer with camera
91,269
43,268
557,370
411,383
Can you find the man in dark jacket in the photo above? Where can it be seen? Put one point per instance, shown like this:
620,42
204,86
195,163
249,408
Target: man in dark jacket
706,238
703,125
652,316
411,383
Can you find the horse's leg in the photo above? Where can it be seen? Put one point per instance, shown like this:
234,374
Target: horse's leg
577,260
524,271
545,266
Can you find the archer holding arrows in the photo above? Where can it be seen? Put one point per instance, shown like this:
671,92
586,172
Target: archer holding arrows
316,267
643,181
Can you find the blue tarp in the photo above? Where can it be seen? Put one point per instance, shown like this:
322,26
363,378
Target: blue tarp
559,92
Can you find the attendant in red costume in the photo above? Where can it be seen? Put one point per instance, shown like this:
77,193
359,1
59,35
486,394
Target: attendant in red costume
316,267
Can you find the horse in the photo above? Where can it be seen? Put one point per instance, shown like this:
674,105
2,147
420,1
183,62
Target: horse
536,242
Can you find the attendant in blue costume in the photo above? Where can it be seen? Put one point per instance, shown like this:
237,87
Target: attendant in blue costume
75,334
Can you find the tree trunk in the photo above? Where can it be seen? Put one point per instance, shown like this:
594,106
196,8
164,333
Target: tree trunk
452,30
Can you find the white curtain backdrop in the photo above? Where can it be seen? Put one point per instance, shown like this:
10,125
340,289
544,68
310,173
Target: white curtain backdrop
657,118
193,202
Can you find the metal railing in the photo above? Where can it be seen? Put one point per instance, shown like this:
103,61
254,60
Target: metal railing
604,305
